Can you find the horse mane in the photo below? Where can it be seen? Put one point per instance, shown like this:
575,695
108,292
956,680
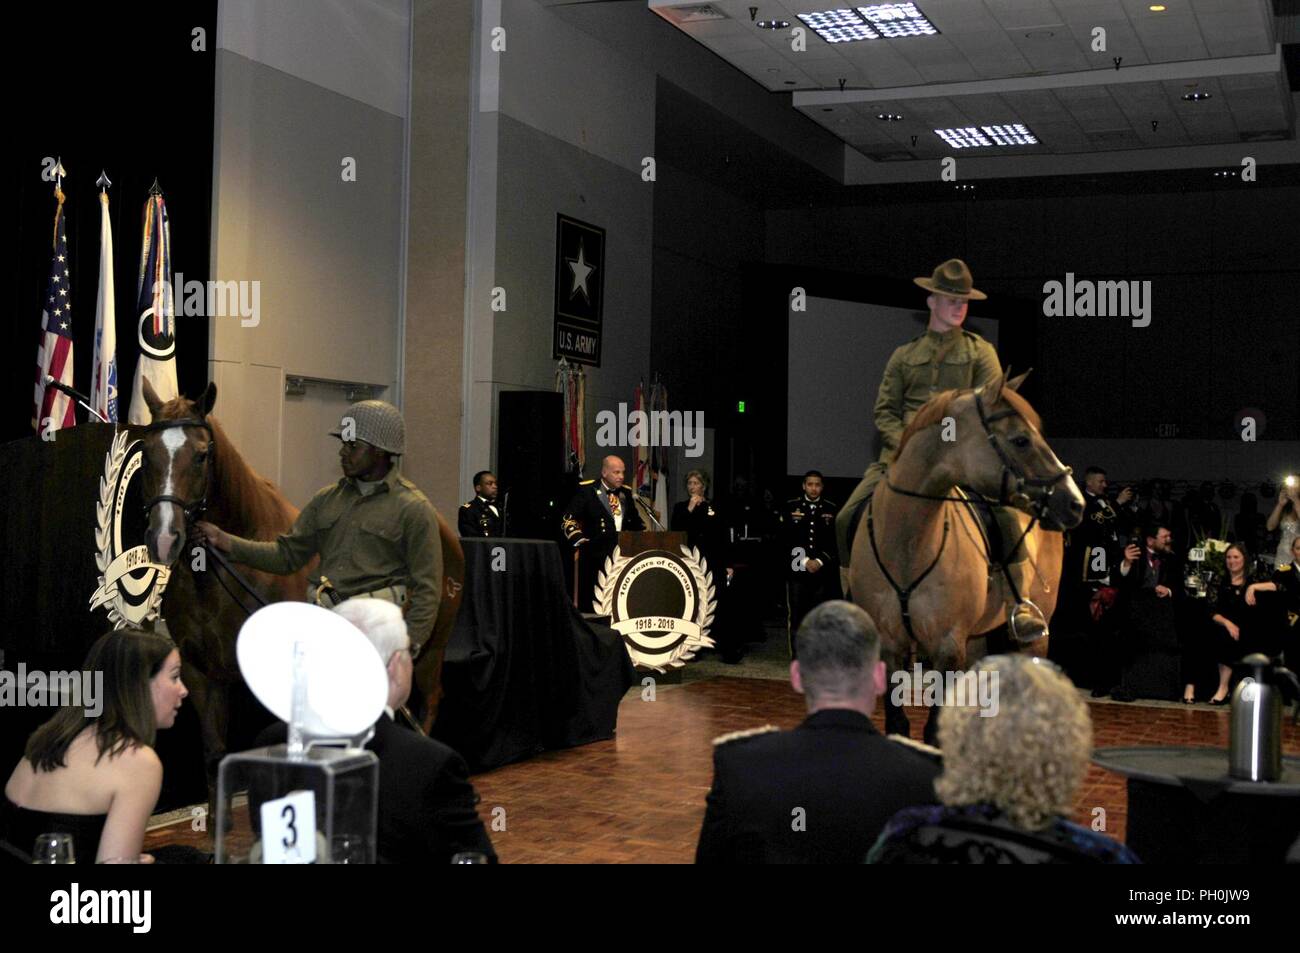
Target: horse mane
936,408
242,502
932,412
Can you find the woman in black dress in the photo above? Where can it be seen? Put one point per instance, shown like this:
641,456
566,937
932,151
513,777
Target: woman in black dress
697,517
706,531
1235,625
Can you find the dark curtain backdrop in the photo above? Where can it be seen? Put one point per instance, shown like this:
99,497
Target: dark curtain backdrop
120,89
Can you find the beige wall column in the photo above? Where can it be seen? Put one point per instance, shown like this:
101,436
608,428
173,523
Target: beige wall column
433,332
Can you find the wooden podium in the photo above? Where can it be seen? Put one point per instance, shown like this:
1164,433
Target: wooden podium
630,543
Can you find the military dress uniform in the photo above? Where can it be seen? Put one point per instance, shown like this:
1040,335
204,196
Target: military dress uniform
820,794
809,533
597,514
480,517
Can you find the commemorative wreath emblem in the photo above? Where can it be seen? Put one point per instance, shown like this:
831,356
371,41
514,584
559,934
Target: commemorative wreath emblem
662,603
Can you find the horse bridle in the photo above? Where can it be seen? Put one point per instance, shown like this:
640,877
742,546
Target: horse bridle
1013,474
194,509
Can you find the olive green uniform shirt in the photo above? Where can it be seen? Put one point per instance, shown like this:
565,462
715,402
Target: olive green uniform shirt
923,367
366,542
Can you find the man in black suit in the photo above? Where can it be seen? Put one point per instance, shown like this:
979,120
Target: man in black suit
823,792
427,805
1151,584
599,511
481,516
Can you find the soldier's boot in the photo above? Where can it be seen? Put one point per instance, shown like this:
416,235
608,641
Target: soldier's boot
1025,619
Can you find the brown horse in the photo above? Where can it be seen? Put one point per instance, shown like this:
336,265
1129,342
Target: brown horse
920,567
192,467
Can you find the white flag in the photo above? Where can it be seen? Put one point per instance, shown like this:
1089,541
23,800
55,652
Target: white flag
103,393
155,316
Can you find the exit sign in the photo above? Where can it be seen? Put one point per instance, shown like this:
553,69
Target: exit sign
740,406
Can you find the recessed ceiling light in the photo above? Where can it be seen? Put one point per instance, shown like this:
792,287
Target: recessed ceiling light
1157,8
889,117
772,24
870,22
970,137
839,26
1196,97
897,19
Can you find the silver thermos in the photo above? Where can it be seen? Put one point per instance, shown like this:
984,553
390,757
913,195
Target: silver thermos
1255,731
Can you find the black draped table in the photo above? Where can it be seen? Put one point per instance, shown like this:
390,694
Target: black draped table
524,672
1184,807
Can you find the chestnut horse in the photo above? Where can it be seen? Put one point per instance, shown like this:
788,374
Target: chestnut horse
192,468
920,567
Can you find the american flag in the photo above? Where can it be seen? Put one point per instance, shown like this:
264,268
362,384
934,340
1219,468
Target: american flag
54,350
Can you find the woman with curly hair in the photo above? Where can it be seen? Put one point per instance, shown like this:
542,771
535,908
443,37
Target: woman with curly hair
1011,771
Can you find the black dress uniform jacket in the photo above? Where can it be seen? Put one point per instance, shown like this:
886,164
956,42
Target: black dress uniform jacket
845,778
589,515
476,518
427,805
810,525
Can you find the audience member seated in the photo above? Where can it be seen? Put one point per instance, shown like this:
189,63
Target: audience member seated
1285,582
1151,586
427,811
1235,625
91,771
1008,780
822,792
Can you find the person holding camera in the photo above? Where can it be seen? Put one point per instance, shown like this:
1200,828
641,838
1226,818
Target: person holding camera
1285,518
1150,581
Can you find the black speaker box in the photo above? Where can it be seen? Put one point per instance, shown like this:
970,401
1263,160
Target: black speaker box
530,462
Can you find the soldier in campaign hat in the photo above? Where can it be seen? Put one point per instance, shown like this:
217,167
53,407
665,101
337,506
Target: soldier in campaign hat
945,357
375,532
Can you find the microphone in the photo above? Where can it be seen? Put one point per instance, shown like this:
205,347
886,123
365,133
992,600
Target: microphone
60,386
76,395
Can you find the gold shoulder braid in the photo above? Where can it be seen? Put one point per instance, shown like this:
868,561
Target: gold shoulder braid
747,733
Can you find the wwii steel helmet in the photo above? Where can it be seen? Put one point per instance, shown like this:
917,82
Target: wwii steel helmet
377,422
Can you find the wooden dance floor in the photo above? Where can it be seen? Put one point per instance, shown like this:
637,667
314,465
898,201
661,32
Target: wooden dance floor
639,798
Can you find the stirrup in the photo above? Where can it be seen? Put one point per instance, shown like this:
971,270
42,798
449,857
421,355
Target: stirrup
1030,634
